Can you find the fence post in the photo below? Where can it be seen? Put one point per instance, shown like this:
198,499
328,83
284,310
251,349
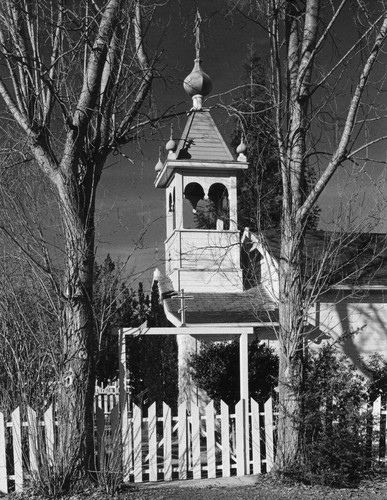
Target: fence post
244,389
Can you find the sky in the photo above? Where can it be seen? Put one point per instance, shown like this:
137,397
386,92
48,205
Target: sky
130,210
128,204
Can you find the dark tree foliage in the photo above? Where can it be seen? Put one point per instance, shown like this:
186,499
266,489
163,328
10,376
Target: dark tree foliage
333,422
260,186
152,361
216,370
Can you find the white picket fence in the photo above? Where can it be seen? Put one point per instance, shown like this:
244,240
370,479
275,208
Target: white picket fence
196,445
191,444
107,397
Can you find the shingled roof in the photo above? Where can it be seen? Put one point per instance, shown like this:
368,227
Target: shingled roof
252,306
201,140
248,307
348,259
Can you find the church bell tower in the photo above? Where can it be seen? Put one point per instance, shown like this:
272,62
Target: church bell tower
199,175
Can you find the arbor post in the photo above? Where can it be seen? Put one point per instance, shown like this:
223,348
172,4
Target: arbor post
244,390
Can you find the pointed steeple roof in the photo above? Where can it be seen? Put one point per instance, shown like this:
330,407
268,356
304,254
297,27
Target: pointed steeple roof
201,140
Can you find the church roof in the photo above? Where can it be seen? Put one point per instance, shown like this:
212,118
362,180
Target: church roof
252,306
247,307
201,140
342,258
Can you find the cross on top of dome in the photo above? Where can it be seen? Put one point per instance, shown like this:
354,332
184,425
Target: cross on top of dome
197,84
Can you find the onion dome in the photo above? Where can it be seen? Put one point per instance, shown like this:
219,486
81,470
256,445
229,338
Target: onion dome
197,85
159,164
241,150
171,147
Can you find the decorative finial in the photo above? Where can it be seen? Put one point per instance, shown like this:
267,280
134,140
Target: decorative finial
171,146
241,150
159,164
197,84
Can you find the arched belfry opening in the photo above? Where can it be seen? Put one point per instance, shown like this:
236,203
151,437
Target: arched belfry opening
218,196
193,195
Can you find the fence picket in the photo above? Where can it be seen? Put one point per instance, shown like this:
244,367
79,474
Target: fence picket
32,439
225,429
183,441
211,456
134,440
269,434
152,437
196,458
376,409
137,444
17,449
240,437
167,447
49,434
3,457
255,437
126,442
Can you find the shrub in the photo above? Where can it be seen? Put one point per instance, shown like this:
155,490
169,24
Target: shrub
216,370
334,421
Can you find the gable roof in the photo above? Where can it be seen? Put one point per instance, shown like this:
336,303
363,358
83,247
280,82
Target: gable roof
252,306
343,259
201,139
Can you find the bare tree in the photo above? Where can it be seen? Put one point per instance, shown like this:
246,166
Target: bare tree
75,76
324,103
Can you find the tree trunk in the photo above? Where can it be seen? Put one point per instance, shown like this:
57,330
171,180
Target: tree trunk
291,346
76,396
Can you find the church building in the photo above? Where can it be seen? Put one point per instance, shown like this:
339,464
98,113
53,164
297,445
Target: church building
203,287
